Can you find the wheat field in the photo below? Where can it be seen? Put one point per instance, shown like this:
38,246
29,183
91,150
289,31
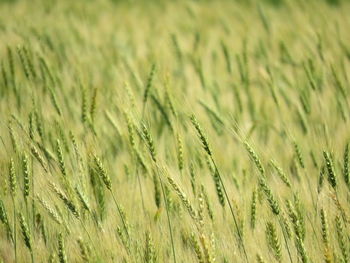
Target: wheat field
174,131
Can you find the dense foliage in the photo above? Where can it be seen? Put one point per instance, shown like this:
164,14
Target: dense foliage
174,131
